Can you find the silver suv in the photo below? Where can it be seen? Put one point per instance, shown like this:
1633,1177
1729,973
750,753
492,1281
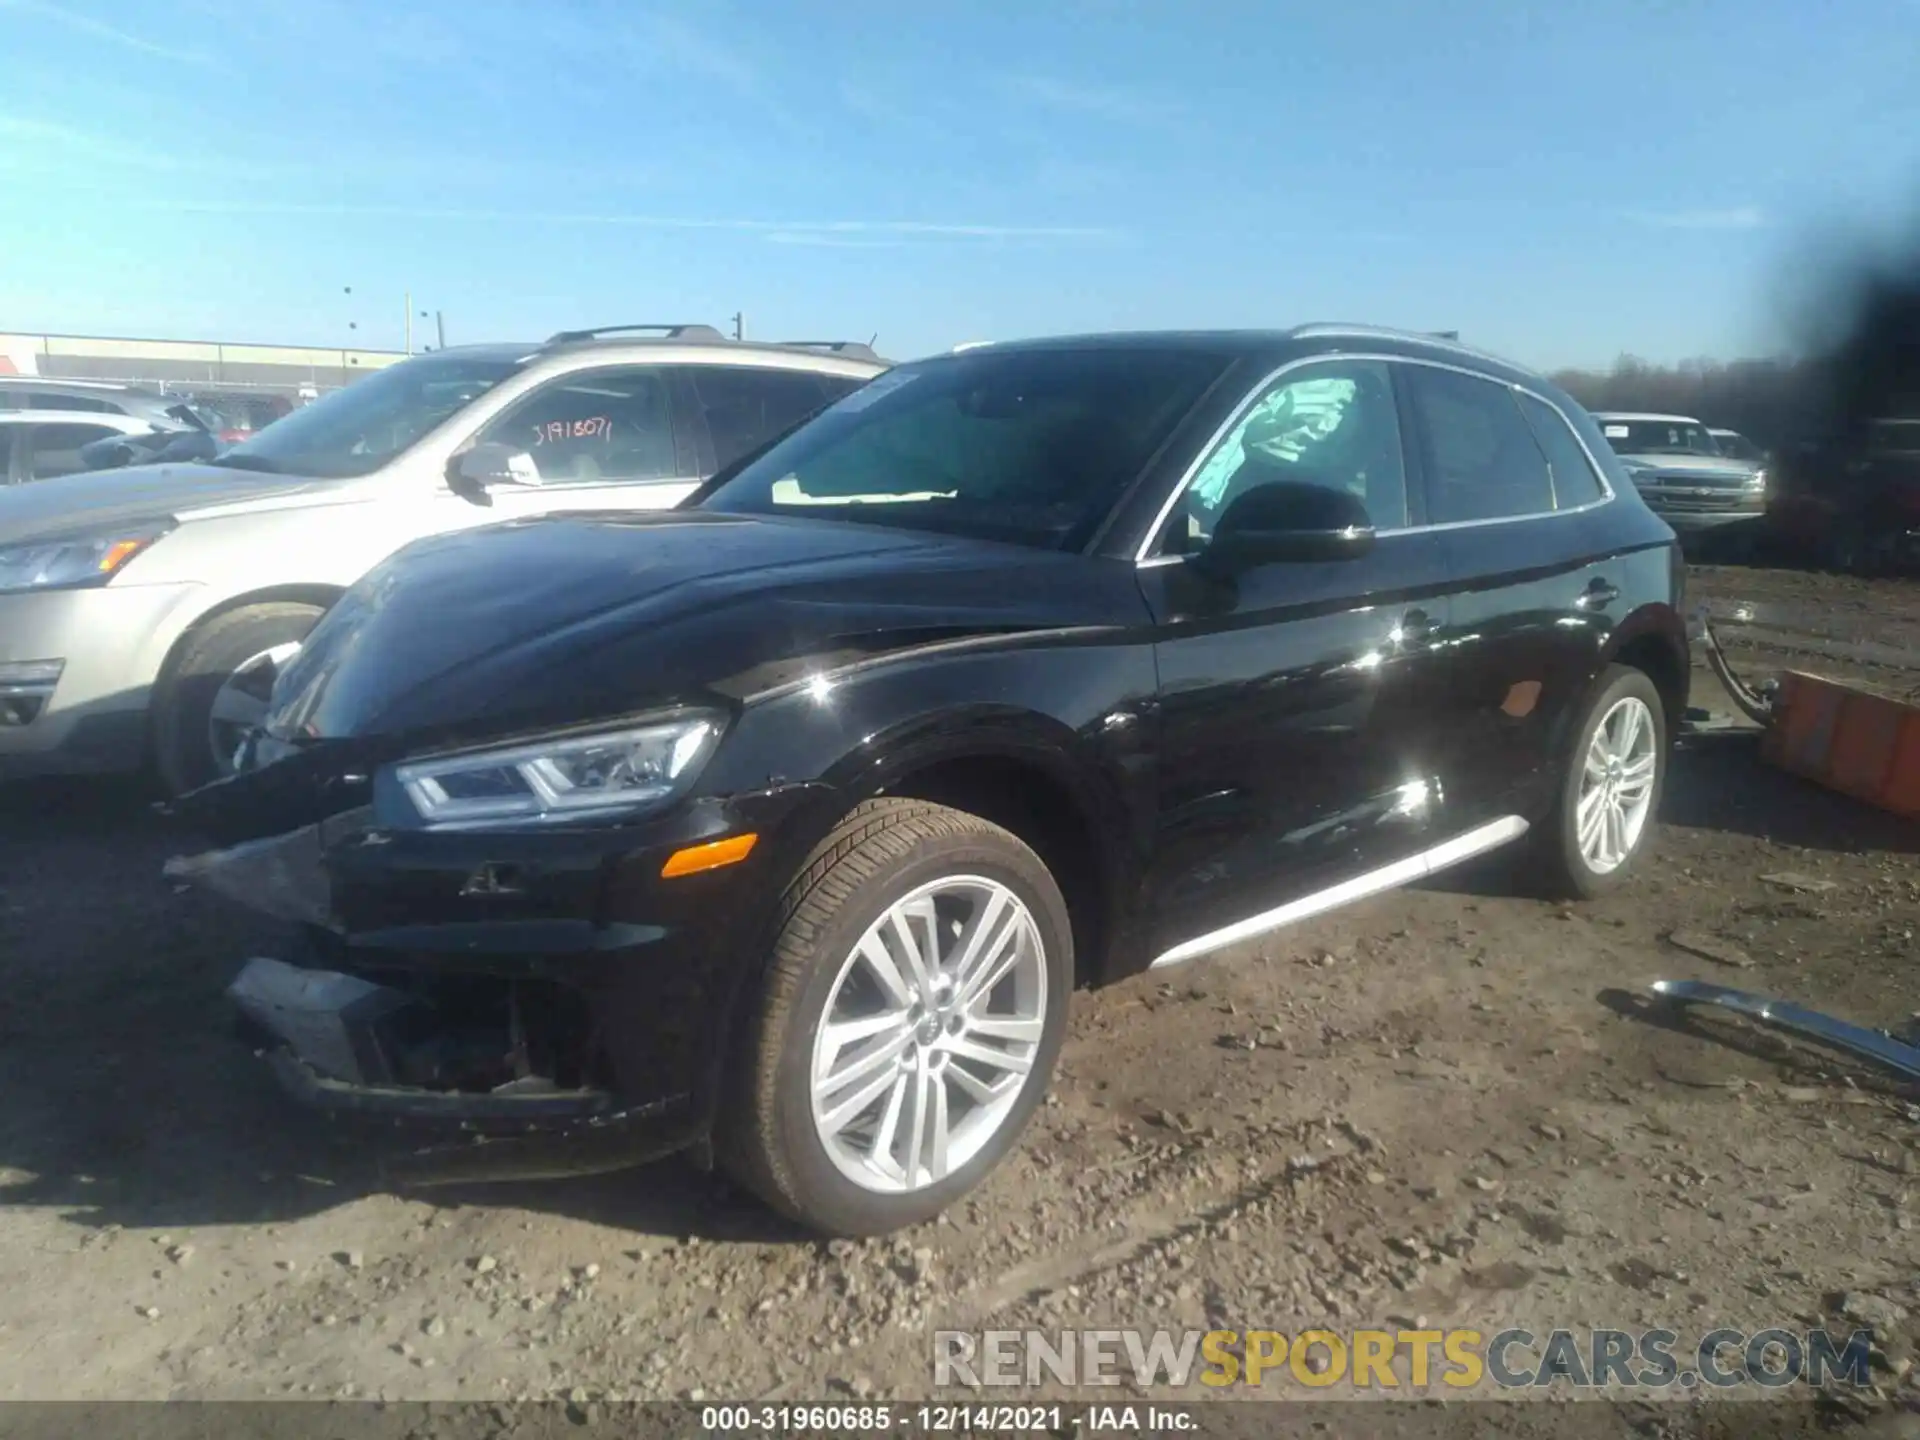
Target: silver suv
145,611
101,397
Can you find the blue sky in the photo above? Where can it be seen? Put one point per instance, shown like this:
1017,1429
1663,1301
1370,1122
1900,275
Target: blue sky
1561,181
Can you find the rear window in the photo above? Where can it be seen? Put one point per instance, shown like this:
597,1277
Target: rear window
1028,446
58,400
1574,480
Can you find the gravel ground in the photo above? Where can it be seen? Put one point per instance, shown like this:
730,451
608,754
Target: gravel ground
1500,1131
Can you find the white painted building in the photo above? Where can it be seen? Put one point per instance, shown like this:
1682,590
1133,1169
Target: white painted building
296,371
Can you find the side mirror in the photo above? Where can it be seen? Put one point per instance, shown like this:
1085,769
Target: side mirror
1287,523
481,468
106,453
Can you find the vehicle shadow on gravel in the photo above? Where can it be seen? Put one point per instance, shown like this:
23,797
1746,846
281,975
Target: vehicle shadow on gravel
125,1098
1720,783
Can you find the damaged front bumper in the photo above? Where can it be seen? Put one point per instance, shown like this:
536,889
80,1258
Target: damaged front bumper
329,1039
343,1043
527,1003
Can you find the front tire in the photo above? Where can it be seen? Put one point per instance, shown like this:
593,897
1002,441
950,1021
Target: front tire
909,1021
219,687
1616,771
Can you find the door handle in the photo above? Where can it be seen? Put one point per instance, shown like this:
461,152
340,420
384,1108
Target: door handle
1598,595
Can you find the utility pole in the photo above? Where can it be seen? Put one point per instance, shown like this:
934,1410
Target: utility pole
407,298
739,325
440,328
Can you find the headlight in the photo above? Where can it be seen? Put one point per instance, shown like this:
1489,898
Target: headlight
75,560
561,779
1757,480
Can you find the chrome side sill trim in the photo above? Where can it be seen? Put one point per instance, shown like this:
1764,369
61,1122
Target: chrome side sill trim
1875,1045
1477,841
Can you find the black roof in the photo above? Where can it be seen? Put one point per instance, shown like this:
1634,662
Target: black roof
1277,344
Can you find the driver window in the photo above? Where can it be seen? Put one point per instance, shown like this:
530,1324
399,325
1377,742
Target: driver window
1330,426
599,425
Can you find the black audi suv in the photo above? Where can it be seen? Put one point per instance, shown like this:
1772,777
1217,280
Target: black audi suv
783,825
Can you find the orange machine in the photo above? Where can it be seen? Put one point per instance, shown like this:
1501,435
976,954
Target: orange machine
1847,739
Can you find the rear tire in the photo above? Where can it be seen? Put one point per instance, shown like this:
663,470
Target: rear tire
794,1128
224,666
1603,816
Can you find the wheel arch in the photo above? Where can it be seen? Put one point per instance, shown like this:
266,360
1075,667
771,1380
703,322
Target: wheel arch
1653,640
1024,771
322,596
1035,802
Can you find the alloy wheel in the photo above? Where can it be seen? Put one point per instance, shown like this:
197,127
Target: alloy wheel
240,705
1616,784
929,1034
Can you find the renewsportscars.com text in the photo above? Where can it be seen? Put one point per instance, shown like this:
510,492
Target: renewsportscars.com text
1387,1360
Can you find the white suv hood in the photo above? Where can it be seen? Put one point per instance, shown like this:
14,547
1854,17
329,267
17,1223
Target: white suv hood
1704,467
69,504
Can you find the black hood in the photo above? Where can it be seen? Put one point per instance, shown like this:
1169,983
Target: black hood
569,619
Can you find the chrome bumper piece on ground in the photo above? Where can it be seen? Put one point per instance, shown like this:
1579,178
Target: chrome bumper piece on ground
1874,1045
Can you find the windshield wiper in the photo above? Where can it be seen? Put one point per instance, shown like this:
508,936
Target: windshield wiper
245,462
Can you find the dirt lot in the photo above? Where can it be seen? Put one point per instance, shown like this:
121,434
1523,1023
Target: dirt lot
1502,1132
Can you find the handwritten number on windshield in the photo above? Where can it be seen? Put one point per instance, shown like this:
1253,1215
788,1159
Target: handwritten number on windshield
594,427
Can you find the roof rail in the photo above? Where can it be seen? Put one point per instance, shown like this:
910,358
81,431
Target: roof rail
852,349
666,332
1449,338
1335,327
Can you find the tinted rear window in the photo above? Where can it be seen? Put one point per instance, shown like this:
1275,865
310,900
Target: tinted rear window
1574,480
1483,461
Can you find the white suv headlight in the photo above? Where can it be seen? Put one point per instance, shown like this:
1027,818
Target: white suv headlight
91,559
561,779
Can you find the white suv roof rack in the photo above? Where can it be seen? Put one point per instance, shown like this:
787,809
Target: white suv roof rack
701,333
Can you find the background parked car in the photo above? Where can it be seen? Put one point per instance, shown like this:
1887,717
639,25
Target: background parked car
1736,446
234,418
1680,472
100,397
144,612
43,444
1853,502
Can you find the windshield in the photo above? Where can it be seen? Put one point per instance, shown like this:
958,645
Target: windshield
356,430
1736,447
1658,437
1032,447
